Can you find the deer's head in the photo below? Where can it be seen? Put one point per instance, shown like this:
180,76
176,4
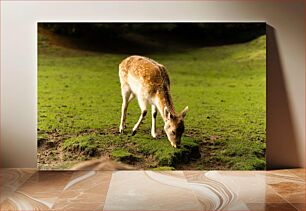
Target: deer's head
174,126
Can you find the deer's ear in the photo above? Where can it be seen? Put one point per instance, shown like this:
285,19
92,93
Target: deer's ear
184,112
167,113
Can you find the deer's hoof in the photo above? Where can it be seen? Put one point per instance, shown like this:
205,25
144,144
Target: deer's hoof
133,132
121,129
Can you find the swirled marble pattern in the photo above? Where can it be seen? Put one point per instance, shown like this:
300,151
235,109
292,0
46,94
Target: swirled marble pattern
85,191
60,190
26,189
12,179
148,190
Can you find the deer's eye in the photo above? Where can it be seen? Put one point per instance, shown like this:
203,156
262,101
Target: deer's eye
173,132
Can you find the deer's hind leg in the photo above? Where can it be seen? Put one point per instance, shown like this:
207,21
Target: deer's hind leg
143,107
126,98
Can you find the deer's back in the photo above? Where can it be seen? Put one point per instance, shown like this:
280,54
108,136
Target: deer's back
149,74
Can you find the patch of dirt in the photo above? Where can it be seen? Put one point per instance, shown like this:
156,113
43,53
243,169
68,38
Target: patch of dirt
51,156
207,161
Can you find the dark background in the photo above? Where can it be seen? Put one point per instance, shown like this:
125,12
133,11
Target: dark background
154,37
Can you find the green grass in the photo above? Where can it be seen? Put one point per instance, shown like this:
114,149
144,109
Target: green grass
121,154
79,105
163,168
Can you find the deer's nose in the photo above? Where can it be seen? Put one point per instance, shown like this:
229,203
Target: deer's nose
174,145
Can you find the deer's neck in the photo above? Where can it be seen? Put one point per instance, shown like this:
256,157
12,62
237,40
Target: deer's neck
164,99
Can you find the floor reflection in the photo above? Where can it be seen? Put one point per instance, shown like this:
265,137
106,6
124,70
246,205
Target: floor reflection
28,189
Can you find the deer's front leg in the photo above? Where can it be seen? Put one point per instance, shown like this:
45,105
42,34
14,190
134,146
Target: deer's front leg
154,114
143,107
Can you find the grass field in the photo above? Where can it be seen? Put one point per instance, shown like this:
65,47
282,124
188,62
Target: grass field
79,105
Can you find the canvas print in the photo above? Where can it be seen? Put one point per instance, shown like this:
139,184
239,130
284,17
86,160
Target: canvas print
153,96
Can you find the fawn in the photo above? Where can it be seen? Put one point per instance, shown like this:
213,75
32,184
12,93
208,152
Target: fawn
149,82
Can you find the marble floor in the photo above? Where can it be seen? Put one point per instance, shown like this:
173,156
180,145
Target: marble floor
29,189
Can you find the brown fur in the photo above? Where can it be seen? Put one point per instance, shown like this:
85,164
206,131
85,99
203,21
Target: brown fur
152,75
149,82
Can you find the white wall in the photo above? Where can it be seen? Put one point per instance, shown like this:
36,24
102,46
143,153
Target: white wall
286,133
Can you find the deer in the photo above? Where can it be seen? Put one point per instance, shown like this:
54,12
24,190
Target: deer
149,82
